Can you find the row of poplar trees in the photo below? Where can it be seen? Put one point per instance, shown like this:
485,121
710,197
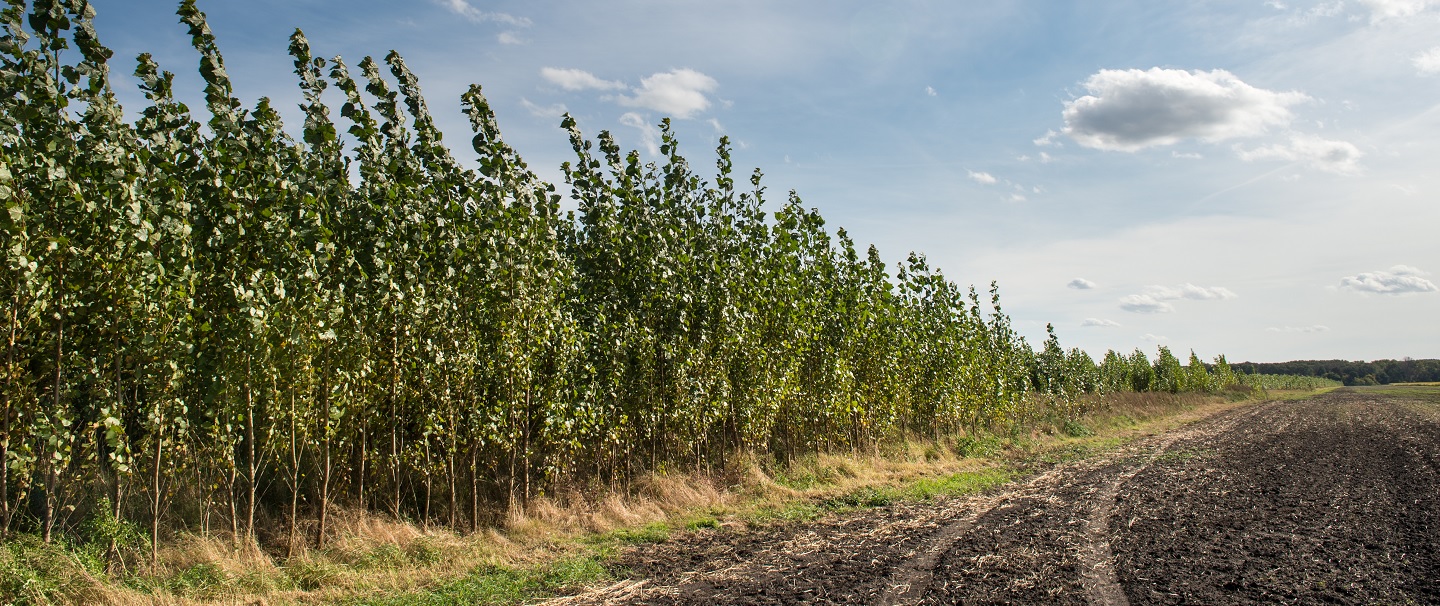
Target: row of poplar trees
215,326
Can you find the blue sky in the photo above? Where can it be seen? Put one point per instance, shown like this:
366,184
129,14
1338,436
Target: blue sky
1251,178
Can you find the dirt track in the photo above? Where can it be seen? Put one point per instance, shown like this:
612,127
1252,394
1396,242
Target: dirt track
1330,500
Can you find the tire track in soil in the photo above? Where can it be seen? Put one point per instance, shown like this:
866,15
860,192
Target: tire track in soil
1274,495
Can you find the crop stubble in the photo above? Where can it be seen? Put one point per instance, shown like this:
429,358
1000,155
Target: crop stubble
1328,500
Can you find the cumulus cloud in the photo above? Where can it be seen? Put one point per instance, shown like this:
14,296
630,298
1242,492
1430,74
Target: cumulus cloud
577,79
1047,140
1299,329
679,93
1340,157
1101,323
649,134
1156,299
982,178
1145,304
1398,280
1129,110
1081,284
1381,10
930,90
1189,291
468,11
1428,62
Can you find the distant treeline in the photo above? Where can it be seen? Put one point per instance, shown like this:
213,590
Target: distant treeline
1378,372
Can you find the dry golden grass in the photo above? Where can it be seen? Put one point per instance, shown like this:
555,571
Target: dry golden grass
369,554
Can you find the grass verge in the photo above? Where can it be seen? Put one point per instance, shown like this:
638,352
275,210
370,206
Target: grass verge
562,544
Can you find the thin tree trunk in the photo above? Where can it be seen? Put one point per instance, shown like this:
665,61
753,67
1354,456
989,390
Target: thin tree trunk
6,512
294,479
48,506
155,500
325,467
252,466
474,488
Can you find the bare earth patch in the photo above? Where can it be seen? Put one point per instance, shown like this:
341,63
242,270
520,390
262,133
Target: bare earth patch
1330,500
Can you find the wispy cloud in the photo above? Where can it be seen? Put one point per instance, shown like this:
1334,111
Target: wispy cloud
1340,157
1100,323
1145,304
1299,329
930,90
468,11
543,111
510,38
1153,338
1428,62
649,134
1190,291
1381,10
577,79
1398,280
982,178
1156,299
1129,110
1081,284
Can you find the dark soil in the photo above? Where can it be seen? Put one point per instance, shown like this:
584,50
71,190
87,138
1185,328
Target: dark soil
1331,500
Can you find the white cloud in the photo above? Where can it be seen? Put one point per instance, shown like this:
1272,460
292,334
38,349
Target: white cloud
1187,155
1153,338
1129,110
1018,198
1145,304
1381,10
1400,279
1334,156
577,79
1048,140
679,93
982,178
1299,329
1100,323
1081,284
1189,291
509,38
649,134
1428,62
930,90
1155,298
715,124
468,11
543,111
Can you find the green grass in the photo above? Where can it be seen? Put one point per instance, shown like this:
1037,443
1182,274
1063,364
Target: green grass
495,585
1421,393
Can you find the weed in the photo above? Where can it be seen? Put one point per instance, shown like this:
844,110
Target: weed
1075,429
504,585
655,532
310,575
705,522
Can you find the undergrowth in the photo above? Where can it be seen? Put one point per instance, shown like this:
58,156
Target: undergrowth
562,545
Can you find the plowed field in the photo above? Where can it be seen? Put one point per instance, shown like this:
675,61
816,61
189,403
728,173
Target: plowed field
1334,499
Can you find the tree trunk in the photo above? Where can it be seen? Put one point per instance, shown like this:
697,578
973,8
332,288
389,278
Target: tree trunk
6,420
48,504
159,442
